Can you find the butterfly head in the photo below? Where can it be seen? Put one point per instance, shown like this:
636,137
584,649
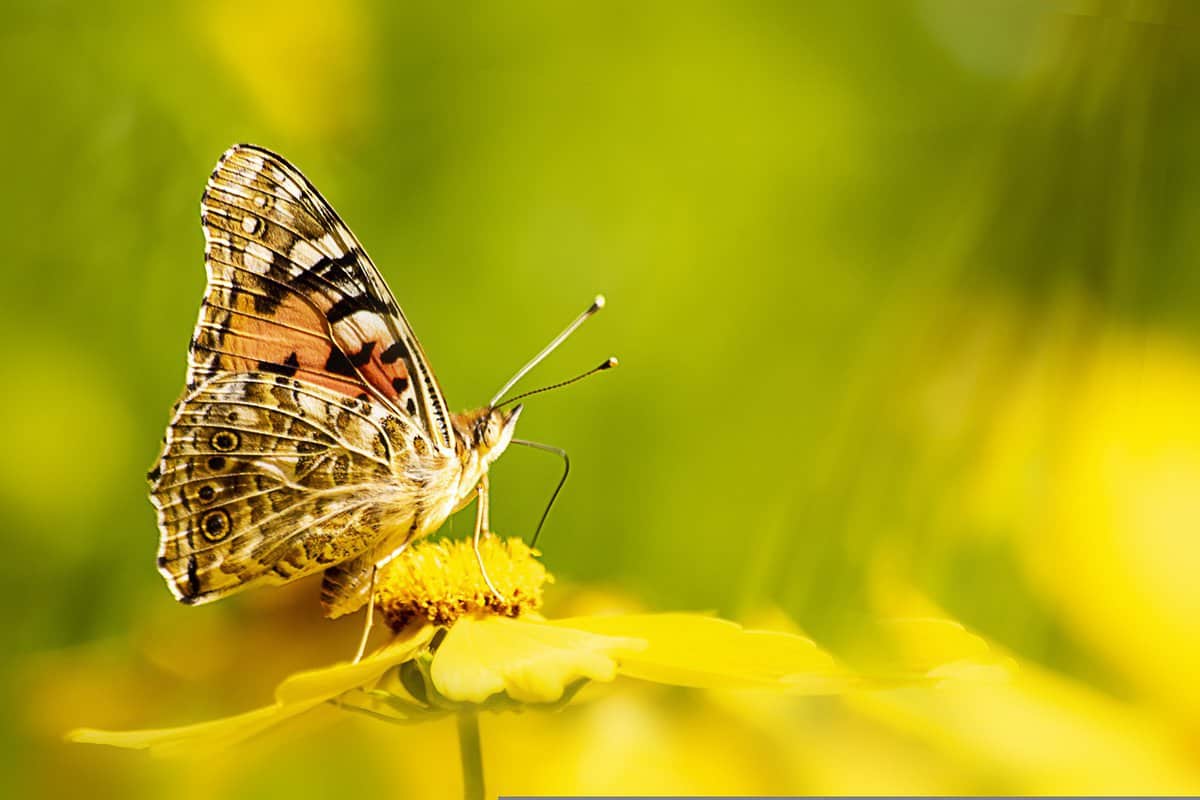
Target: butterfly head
488,430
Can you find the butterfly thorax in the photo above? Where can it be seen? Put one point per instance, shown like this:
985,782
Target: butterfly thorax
433,484
481,436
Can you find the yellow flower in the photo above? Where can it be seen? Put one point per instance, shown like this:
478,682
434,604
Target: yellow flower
457,647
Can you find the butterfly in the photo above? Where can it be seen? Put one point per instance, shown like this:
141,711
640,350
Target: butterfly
313,435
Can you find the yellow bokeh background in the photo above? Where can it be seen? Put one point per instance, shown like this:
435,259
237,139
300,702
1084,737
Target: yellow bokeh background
906,300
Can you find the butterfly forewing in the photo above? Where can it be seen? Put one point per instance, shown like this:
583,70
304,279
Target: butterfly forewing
292,292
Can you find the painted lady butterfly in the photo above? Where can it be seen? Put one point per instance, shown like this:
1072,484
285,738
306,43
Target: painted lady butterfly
313,434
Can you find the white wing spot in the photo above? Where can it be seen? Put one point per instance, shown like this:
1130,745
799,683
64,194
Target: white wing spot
223,190
304,254
330,246
249,223
286,182
257,258
214,210
290,187
260,201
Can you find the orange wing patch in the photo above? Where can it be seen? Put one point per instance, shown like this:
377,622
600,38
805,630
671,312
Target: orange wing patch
289,339
291,292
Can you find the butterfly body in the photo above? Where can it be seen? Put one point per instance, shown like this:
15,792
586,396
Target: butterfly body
313,435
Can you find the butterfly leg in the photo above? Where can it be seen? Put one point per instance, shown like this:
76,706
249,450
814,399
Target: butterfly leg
370,618
481,527
369,621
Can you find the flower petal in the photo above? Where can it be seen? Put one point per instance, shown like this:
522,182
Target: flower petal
707,652
532,662
203,737
942,649
297,694
322,684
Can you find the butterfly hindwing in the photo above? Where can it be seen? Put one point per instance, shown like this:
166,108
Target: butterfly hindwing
265,478
292,292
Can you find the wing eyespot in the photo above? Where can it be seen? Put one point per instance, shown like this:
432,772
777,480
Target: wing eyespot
225,441
215,525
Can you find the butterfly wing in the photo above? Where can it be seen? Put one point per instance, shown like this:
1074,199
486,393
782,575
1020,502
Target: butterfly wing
292,292
264,479
296,323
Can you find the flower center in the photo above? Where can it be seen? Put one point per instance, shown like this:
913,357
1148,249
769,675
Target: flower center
440,581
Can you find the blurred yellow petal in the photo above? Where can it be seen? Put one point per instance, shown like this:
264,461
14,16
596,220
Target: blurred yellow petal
707,652
929,642
203,737
1124,514
939,649
532,662
297,694
1044,733
916,637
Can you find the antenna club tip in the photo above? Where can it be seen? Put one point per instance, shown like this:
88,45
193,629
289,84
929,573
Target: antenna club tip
598,303
612,362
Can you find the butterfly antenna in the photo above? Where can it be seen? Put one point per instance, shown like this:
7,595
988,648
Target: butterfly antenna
608,363
596,305
558,451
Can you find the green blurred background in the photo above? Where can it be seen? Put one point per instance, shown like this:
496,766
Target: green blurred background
906,304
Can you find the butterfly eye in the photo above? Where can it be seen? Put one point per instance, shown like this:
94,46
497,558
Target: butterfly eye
215,525
224,441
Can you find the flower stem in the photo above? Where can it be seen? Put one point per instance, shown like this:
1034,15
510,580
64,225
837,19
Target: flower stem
471,754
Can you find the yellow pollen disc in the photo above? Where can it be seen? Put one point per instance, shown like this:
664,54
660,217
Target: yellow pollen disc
440,581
